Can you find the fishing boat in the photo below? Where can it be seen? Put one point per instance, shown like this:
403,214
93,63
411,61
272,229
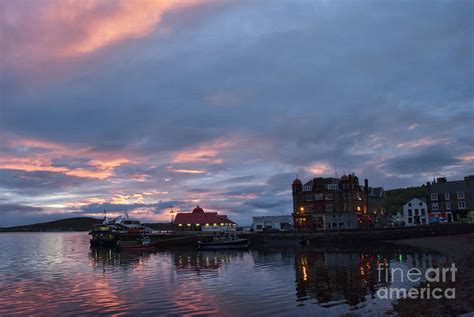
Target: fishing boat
224,242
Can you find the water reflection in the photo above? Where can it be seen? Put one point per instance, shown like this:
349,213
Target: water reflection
353,278
204,261
109,257
59,274
336,277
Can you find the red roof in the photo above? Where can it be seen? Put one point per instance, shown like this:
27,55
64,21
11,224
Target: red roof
199,216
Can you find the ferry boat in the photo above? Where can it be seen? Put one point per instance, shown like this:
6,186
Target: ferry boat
224,242
144,244
105,234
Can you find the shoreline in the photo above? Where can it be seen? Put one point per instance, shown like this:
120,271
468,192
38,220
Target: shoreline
460,251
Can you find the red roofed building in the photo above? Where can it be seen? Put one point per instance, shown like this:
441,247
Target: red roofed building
199,220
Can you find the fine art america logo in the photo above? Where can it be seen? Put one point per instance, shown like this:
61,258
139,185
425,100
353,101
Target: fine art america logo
415,275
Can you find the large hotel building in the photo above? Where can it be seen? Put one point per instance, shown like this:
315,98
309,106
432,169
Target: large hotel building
336,203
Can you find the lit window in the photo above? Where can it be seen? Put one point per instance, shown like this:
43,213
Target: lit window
189,225
207,225
197,225
215,224
222,223
180,225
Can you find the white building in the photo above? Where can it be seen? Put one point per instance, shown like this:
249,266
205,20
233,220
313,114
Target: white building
415,213
272,222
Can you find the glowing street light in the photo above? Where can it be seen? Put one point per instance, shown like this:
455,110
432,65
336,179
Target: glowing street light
172,214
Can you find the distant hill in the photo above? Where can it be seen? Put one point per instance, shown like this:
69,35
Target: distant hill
396,198
70,224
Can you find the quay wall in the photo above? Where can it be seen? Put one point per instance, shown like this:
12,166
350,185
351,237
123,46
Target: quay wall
357,236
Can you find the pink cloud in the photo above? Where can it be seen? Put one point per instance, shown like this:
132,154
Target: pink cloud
53,32
38,155
319,169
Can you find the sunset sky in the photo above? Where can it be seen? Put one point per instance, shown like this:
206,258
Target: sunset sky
141,104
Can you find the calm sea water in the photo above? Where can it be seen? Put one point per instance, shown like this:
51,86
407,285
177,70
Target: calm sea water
58,274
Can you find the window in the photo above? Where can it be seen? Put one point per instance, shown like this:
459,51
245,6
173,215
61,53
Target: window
447,196
421,204
460,195
409,204
329,207
341,224
259,227
423,221
334,224
332,186
410,213
318,196
434,197
434,206
448,205
307,188
461,204
329,197
423,213
346,207
309,197
416,212
410,220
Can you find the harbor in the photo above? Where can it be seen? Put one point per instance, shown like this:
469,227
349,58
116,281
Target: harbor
126,234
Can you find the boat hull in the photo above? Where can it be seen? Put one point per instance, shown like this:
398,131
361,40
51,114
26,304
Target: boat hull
219,245
149,247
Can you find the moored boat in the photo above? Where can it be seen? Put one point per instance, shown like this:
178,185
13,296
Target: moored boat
143,244
102,236
226,242
106,234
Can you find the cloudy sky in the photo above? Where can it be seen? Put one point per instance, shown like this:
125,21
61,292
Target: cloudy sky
141,104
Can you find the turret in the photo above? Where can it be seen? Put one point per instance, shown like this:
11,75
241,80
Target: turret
297,186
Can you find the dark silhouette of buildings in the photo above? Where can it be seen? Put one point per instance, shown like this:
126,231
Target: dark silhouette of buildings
336,203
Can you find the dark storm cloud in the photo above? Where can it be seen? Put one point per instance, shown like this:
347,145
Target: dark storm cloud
244,190
38,182
15,208
425,160
269,203
108,207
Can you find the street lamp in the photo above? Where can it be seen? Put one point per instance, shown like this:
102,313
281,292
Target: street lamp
172,214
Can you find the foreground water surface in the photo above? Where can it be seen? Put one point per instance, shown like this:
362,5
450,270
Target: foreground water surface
58,274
